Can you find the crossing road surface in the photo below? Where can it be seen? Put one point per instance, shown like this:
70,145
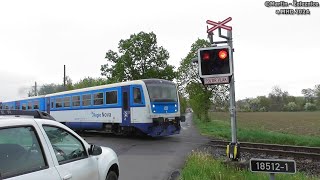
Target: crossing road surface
151,158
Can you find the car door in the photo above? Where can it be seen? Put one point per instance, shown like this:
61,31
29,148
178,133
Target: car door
72,159
23,156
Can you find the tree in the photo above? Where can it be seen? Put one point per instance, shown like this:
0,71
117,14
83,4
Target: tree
188,71
277,99
291,106
254,104
188,78
308,94
32,92
183,103
50,88
310,107
243,105
264,103
300,101
139,58
69,85
89,82
316,92
199,99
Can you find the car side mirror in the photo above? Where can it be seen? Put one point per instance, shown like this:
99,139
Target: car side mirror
95,150
182,118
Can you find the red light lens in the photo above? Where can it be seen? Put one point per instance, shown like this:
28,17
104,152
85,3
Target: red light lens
223,54
206,56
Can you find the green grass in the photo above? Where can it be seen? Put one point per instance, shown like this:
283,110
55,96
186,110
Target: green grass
221,129
298,123
201,166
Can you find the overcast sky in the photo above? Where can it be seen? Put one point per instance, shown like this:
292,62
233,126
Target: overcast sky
38,37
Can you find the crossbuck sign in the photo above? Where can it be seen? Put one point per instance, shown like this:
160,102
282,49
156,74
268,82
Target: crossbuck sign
217,25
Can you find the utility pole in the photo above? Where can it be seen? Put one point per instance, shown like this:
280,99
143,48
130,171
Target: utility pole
64,77
35,88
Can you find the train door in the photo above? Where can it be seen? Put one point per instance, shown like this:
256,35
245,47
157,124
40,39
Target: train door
126,114
17,105
137,104
47,105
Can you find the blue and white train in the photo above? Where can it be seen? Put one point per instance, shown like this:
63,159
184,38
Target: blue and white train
148,106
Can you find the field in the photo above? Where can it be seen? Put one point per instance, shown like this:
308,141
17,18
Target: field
292,128
298,123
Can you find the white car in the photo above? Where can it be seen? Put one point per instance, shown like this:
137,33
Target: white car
33,148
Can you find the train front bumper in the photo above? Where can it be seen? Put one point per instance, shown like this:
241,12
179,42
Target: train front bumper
165,126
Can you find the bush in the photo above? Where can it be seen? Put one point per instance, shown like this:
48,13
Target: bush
310,107
263,109
291,106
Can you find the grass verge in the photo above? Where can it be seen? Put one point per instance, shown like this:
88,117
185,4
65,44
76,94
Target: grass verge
201,166
221,129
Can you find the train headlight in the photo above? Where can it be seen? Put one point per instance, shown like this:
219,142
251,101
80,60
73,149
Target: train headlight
153,106
175,110
175,105
154,111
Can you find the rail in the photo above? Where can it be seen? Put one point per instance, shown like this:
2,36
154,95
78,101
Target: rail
275,149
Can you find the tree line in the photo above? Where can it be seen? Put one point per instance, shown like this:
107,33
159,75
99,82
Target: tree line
279,100
140,57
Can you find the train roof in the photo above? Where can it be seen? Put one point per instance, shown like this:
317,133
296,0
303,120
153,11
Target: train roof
23,98
97,87
141,81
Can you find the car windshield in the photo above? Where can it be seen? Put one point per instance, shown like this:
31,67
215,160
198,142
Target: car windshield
162,92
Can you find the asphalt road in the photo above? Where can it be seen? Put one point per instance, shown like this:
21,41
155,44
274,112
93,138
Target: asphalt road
152,158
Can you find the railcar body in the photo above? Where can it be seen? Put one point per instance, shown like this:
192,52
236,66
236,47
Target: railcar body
148,106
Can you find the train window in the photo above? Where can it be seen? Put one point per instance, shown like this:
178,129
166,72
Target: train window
29,105
75,101
66,101
0,106
6,107
17,106
24,106
112,97
137,95
58,102
86,100
35,104
98,98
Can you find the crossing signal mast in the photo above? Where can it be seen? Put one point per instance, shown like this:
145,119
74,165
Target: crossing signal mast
216,67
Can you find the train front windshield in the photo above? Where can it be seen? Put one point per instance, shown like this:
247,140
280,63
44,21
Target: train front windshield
162,92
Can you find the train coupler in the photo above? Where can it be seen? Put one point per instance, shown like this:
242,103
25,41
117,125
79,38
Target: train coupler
233,151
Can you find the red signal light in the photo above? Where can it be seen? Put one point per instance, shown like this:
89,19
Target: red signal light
206,56
223,54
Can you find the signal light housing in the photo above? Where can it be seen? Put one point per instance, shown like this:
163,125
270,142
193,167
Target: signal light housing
215,61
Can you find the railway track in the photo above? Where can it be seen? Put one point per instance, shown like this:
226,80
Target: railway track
274,149
271,149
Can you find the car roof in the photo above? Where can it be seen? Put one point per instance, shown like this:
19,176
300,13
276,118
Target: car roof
6,121
26,113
